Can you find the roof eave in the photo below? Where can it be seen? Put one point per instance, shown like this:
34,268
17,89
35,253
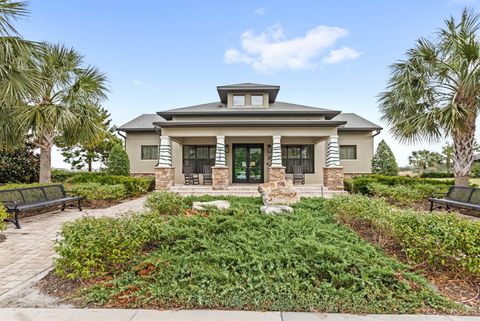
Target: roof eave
319,123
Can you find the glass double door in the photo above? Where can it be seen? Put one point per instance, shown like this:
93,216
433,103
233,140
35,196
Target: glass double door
247,163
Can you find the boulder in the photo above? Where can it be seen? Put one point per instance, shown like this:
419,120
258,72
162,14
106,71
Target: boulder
201,206
278,193
276,209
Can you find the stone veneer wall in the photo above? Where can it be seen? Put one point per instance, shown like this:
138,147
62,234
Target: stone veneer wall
333,178
276,173
219,177
164,177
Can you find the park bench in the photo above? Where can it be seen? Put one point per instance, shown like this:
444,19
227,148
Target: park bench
457,196
28,199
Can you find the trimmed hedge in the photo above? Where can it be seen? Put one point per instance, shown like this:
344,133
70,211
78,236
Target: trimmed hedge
437,175
404,194
61,175
97,191
134,186
360,184
440,240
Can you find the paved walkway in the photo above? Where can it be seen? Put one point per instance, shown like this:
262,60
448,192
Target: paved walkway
202,315
29,251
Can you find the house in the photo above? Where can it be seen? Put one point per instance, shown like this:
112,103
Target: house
248,136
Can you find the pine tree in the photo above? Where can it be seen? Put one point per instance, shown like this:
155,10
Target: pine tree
118,163
384,161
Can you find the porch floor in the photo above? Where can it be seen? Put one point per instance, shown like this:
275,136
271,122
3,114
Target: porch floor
307,190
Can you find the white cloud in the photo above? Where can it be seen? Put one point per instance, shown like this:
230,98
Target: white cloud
271,50
141,83
260,11
341,54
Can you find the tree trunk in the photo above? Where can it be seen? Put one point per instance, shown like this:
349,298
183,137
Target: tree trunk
46,164
45,142
89,165
463,156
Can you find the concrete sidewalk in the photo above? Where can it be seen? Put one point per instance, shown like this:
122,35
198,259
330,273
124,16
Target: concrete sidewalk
201,315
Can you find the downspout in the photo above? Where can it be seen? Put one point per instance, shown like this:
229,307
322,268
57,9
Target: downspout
124,139
377,132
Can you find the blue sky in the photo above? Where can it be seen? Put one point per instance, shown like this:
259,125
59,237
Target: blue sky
166,54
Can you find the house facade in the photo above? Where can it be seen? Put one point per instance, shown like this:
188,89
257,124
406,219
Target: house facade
248,136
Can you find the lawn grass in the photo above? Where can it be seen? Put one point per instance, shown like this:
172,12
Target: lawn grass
241,259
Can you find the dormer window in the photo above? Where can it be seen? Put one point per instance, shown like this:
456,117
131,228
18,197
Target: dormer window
257,100
238,100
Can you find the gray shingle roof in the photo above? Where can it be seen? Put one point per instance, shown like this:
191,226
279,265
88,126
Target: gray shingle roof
355,122
143,122
276,108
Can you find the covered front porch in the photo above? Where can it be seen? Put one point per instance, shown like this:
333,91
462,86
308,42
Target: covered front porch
255,156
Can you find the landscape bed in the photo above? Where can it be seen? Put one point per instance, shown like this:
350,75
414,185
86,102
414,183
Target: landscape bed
235,259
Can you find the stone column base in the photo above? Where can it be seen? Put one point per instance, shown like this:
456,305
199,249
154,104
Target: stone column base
220,177
333,178
276,173
164,178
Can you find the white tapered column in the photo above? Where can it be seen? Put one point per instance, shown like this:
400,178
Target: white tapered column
164,172
276,172
220,170
333,171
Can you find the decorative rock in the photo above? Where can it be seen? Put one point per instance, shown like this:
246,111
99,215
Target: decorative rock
278,193
276,209
201,206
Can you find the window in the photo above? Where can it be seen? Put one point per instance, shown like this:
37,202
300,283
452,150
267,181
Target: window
198,155
348,151
257,100
149,152
298,155
238,100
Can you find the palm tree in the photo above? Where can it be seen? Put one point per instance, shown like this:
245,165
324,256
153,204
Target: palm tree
424,159
447,154
64,105
433,93
18,76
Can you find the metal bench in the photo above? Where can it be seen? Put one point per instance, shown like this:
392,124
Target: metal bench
28,199
457,196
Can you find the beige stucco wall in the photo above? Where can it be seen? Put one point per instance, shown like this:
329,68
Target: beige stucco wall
133,143
364,142
249,131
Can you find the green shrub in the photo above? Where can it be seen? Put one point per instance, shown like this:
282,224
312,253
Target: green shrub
360,184
165,203
384,162
61,175
91,247
97,191
19,165
118,163
436,175
134,186
3,215
475,170
438,239
404,194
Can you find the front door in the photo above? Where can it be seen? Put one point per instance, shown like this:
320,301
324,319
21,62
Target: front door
247,163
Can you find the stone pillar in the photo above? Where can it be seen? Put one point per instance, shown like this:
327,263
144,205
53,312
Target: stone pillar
165,172
333,178
276,171
220,170
333,172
